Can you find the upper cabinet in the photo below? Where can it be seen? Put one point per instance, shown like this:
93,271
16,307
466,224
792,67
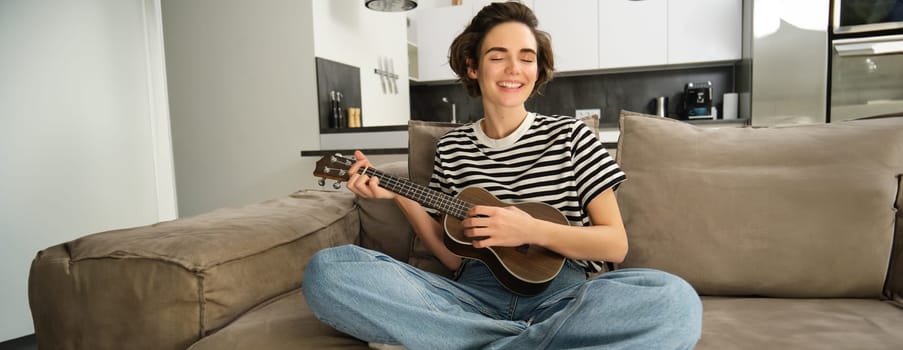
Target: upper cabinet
632,33
704,30
591,35
436,28
573,26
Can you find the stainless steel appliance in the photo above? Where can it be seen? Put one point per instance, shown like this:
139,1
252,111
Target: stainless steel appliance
783,78
866,58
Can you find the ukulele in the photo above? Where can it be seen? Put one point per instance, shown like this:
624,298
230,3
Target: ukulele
525,270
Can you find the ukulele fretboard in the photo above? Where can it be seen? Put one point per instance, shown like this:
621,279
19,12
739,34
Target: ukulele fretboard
421,194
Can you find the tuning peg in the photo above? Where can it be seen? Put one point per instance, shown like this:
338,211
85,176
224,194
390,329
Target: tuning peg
321,182
337,185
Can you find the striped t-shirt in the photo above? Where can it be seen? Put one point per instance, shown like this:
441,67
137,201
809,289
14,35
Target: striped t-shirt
551,159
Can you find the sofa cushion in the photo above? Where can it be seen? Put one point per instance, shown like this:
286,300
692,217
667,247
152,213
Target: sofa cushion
422,139
175,281
772,323
803,211
285,323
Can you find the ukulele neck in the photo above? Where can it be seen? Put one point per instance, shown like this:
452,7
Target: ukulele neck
420,194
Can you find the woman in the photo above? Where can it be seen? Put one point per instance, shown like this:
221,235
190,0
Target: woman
517,156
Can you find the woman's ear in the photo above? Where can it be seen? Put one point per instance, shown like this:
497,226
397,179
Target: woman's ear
471,73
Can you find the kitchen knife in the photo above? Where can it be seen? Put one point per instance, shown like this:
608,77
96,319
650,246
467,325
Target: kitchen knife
382,73
394,82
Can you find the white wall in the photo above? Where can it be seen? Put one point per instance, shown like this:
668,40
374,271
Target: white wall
83,131
242,91
348,32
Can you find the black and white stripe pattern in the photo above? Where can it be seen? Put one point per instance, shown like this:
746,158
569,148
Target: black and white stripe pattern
557,161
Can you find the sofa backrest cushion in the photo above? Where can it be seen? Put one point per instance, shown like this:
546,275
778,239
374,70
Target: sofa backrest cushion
422,138
802,211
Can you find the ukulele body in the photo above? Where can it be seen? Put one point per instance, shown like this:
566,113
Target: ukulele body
524,270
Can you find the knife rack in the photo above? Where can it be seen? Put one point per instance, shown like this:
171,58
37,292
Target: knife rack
387,77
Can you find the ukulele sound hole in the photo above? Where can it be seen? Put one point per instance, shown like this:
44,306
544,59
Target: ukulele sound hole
522,249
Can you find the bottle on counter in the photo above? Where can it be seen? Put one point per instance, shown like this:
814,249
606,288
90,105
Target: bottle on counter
333,117
337,116
343,121
354,117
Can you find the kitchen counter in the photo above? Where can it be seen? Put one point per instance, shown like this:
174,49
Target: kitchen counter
388,139
364,129
368,151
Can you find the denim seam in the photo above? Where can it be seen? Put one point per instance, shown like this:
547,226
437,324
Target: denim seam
569,310
512,326
512,307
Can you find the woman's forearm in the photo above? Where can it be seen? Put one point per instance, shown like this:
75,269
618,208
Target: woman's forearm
429,231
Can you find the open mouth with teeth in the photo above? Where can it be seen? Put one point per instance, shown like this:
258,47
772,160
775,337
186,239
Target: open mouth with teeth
510,84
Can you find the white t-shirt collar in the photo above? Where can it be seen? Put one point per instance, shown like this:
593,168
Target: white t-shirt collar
507,140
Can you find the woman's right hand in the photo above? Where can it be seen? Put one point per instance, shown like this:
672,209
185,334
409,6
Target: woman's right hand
363,185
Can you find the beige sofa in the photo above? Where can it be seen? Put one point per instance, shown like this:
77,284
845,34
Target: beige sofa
793,236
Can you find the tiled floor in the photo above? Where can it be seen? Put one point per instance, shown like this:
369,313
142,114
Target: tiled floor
24,343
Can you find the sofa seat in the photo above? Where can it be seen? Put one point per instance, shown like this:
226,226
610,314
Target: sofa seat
777,323
729,323
284,323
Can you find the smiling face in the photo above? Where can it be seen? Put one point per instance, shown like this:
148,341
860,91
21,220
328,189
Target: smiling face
507,69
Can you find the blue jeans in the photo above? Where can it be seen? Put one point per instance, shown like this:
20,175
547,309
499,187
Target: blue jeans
375,298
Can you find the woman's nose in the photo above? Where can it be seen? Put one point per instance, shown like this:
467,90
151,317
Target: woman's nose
512,66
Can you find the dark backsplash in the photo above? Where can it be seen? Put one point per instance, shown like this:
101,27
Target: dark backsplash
338,77
610,92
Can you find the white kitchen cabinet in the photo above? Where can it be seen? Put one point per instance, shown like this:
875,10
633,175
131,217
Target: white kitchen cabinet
704,30
590,35
632,33
574,28
436,28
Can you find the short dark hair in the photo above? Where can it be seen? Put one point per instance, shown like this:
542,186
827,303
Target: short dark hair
467,44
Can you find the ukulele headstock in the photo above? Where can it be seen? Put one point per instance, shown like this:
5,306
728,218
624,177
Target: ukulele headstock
334,167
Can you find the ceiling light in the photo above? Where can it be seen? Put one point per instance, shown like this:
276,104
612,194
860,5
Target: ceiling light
391,5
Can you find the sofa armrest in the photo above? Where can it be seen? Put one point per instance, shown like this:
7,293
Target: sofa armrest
166,285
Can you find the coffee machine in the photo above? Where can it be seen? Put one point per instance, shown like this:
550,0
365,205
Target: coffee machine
697,101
